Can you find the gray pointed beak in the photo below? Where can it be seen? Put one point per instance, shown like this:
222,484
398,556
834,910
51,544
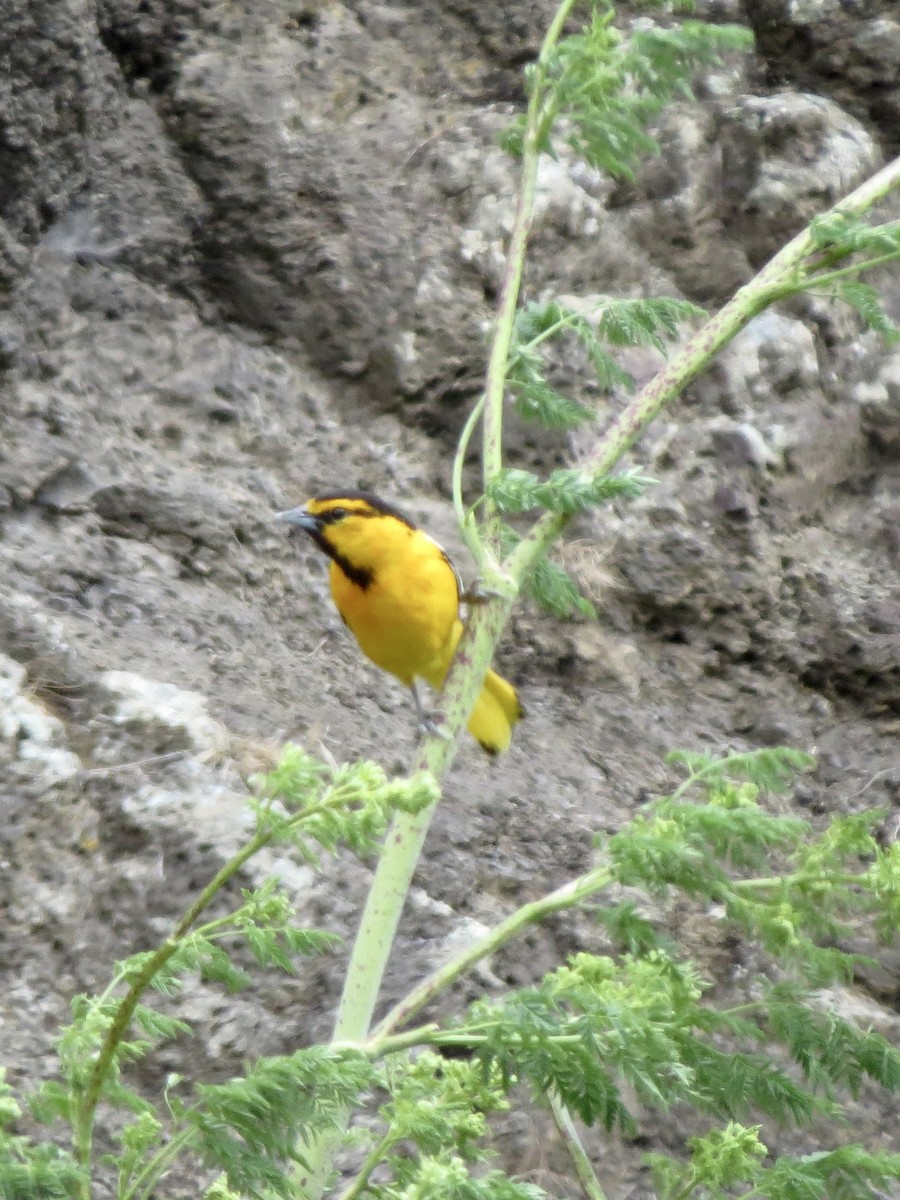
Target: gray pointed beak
300,518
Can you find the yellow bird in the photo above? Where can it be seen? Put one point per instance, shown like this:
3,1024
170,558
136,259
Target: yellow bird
397,590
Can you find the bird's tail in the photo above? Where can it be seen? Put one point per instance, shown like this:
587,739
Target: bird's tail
496,711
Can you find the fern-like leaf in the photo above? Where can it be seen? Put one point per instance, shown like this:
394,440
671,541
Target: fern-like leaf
866,301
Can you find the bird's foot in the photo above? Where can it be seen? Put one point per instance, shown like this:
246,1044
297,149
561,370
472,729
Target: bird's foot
430,726
475,593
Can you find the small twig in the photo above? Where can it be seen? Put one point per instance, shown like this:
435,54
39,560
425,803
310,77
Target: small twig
152,760
459,507
569,1134
492,426
878,775
567,896
373,1158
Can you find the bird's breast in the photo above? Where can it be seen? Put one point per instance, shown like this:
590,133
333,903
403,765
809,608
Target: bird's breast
404,620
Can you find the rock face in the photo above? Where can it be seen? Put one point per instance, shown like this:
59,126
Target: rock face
846,52
248,252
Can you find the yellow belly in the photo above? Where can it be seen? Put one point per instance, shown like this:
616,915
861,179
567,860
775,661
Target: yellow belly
405,620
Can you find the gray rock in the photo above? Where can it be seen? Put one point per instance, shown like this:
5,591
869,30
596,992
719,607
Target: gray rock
786,157
33,741
848,52
879,403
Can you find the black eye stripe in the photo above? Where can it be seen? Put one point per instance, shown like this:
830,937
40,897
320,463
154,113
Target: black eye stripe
373,506
332,515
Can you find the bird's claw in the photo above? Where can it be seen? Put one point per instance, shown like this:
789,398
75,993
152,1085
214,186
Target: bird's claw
429,723
475,593
428,727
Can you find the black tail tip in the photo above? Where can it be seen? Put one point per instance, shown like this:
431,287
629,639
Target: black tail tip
491,751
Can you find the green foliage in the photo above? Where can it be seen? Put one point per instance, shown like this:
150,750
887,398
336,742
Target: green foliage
632,932
611,87
847,238
29,1171
607,1036
447,1177
549,585
601,88
866,301
137,1140
597,1029
704,849
768,770
590,1021
730,1162
643,322
838,234
312,807
535,399
611,322
220,1190
567,491
35,1172
535,325
439,1103
883,880
832,1053
252,1128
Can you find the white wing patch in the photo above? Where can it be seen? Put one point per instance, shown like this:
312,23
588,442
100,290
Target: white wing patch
449,561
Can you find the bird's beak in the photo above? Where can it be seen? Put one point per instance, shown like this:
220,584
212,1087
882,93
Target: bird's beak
301,518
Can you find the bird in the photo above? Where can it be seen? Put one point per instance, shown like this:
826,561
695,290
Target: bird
399,593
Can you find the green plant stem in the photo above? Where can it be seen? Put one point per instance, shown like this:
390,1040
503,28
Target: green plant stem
747,303
473,541
84,1116
147,1178
529,914
586,1177
373,1158
816,281
848,878
492,429
567,896
83,1119
396,866
687,1191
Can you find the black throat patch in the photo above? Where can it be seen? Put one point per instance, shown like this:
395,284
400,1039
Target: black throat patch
361,576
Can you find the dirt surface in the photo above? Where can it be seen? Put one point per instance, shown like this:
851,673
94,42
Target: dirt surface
249,251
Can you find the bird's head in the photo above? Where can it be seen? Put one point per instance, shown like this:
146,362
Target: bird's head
355,529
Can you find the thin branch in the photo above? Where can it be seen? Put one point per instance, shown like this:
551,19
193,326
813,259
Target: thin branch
748,302
492,433
816,281
373,1158
569,1134
470,534
569,894
83,1119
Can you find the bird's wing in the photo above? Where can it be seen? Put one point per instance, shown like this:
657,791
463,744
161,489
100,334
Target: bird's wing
449,561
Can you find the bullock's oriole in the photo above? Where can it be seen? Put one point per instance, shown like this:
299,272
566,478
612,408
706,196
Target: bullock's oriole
398,592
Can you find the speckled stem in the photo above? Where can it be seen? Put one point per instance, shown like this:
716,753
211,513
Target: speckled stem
407,833
495,388
567,896
782,275
396,866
